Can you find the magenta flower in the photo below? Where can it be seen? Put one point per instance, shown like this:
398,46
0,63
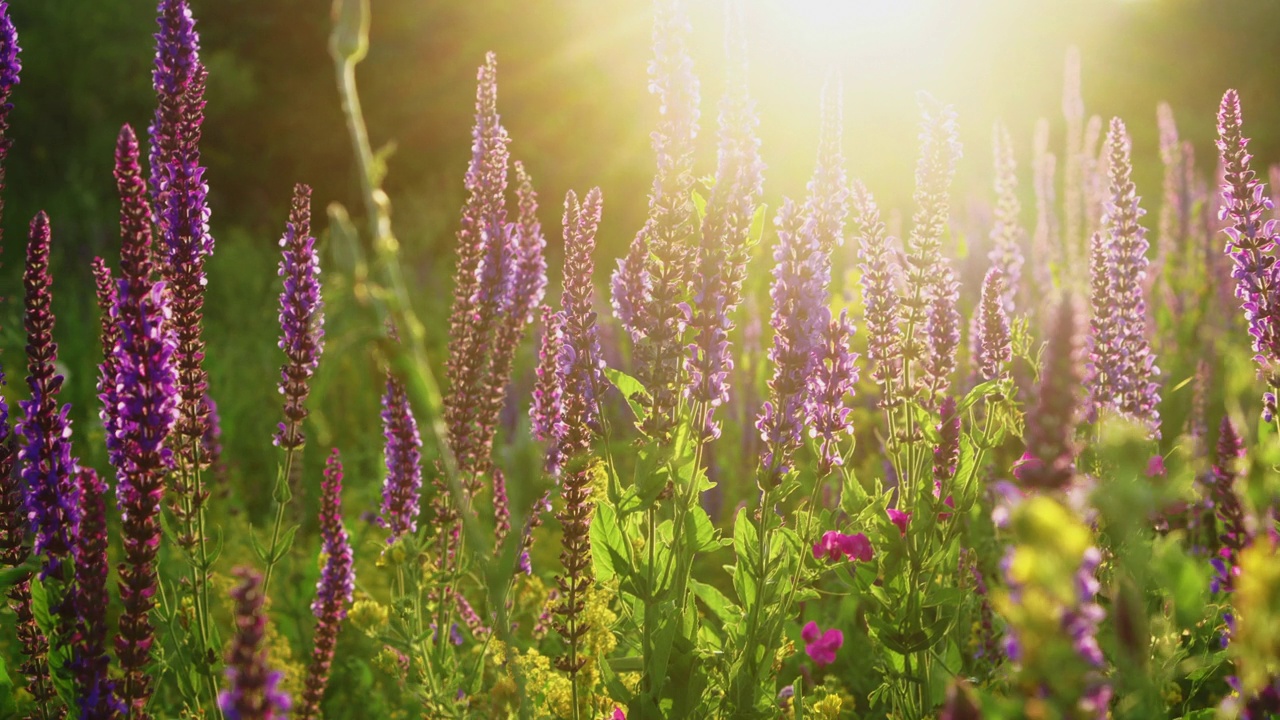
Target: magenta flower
618,714
835,544
899,518
821,646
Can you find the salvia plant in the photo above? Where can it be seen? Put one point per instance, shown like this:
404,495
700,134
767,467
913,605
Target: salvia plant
791,461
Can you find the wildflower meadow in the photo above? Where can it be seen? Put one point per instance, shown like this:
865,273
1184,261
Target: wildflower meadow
822,458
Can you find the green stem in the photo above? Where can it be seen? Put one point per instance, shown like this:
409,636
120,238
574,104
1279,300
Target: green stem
282,495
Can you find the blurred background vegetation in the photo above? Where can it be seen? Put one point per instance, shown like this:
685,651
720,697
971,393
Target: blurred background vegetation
573,87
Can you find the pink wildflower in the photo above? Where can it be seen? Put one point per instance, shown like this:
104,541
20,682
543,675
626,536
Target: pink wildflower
835,544
899,518
821,646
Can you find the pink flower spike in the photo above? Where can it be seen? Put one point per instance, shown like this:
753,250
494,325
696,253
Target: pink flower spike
899,518
821,646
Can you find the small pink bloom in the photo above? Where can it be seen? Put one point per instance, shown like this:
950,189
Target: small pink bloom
899,518
834,545
821,646
949,502
1155,467
618,714
1028,463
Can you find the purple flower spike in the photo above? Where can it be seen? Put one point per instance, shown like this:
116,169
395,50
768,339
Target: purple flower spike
501,507
1251,240
301,318
994,348
800,315
1137,387
89,662
946,455
833,379
1051,424
179,191
581,375
253,687
146,395
1046,248
1234,534
400,491
880,295
110,334
942,325
545,410
48,470
333,591
1006,231
725,242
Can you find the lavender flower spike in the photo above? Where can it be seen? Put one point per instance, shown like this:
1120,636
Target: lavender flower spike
994,348
48,470
1006,231
89,662
943,329
1250,242
301,318
110,335
580,369
180,191
880,295
800,315
146,394
1051,425
834,377
10,69
333,591
545,409
400,491
482,275
726,239
252,692
1138,388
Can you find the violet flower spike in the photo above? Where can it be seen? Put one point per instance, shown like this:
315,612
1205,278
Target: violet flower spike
146,394
1046,248
799,315
482,278
110,334
670,232
403,458
726,245
301,318
834,377
1251,240
580,367
1006,231
1051,424
89,662
334,590
880,273
544,412
47,468
252,686
994,346
1138,388
942,326
180,191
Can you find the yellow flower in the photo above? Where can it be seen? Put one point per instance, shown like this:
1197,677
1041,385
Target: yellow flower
369,616
828,708
1256,641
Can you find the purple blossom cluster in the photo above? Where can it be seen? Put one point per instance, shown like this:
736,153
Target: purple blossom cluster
993,341
834,376
725,240
1051,424
650,286
252,686
1251,240
1006,230
1122,371
334,590
145,397
301,318
403,459
1233,534
89,662
499,279
179,193
880,273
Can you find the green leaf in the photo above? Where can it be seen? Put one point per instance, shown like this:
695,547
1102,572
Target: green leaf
611,555
630,389
12,576
8,706
699,204
744,546
59,653
699,530
758,222
720,606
